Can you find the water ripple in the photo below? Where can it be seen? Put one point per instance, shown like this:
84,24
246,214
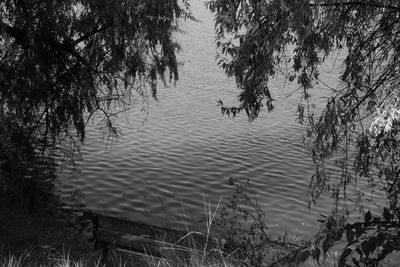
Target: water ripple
185,151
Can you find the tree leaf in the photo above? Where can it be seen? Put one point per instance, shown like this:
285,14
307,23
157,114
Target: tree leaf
372,244
356,263
316,254
359,229
365,248
350,236
386,214
359,251
325,245
304,256
343,257
367,216
380,239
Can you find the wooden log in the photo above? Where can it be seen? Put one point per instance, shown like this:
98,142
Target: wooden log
161,243
143,244
154,232
139,229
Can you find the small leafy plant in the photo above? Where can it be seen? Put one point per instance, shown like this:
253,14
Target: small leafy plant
244,232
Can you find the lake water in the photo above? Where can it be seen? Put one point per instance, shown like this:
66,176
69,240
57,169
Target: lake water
162,170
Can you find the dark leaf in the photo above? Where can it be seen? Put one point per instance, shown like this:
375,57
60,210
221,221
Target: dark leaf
325,245
367,216
386,214
359,251
359,229
356,263
316,254
343,257
380,238
349,236
366,248
372,244
304,256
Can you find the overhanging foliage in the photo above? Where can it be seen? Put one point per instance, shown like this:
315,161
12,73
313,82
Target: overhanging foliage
63,61
359,125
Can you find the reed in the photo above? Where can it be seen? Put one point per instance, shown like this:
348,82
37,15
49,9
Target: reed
208,253
58,260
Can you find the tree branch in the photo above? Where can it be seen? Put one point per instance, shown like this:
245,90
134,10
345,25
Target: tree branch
17,34
91,33
355,3
20,36
66,48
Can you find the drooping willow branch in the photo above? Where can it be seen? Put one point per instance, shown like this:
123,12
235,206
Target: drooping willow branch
355,3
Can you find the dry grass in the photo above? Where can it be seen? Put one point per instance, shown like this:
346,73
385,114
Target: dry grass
44,240
208,253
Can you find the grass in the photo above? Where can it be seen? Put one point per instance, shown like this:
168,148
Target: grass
59,260
208,253
47,239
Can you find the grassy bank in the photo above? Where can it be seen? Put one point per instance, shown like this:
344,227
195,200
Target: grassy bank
42,239
47,236
37,236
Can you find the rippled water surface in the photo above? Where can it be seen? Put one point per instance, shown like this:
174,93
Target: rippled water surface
160,171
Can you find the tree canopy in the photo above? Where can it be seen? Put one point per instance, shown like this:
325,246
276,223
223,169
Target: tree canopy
63,61
360,123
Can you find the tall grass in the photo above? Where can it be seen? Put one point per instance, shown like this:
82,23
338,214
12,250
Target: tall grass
200,249
207,253
12,261
59,260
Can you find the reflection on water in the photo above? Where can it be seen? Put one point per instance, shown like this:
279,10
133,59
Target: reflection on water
162,171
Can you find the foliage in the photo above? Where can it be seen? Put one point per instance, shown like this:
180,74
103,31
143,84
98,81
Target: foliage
244,233
26,178
358,128
64,62
61,62
370,241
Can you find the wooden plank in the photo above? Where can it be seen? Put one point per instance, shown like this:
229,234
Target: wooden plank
156,242
143,244
134,228
115,224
